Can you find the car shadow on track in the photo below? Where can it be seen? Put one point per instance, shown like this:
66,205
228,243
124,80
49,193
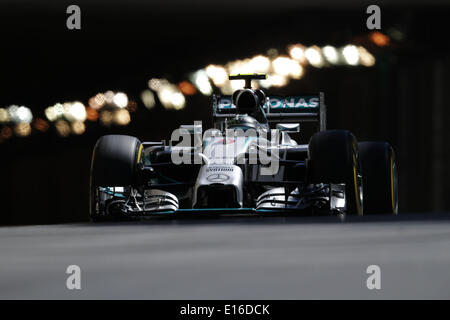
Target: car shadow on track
268,220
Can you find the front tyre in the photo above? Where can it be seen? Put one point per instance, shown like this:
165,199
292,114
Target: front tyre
380,179
114,162
333,158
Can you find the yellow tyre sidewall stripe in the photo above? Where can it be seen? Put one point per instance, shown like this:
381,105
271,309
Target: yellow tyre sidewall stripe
139,153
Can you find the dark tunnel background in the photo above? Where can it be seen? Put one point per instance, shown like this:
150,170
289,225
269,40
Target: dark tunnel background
402,99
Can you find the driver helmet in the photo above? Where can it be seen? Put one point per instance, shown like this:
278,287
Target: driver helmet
244,122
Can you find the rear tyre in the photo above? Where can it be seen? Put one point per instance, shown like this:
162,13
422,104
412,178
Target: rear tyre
380,179
114,162
333,158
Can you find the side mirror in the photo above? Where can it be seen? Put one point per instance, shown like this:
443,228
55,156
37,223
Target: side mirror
288,127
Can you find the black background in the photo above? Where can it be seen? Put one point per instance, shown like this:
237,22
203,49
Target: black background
402,99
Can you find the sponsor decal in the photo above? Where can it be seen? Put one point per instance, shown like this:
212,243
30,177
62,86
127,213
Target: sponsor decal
220,169
290,102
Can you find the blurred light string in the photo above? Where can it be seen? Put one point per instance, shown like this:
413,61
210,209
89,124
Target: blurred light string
114,108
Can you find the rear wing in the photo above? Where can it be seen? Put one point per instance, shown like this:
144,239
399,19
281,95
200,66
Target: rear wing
289,109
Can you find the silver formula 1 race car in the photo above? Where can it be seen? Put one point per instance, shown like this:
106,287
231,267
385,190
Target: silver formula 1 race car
248,163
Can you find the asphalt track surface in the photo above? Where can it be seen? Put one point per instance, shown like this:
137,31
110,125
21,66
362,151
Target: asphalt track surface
230,258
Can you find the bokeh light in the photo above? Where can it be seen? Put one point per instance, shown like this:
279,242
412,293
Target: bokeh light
297,52
106,117
54,112
260,64
74,111
20,114
331,54
314,56
217,74
4,116
187,88
121,117
201,82
171,97
148,99
91,114
120,99
22,129
285,66
351,54
365,57
62,128
6,132
78,127
97,102
379,39
41,125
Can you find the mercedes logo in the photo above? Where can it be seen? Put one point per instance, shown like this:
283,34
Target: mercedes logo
217,177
